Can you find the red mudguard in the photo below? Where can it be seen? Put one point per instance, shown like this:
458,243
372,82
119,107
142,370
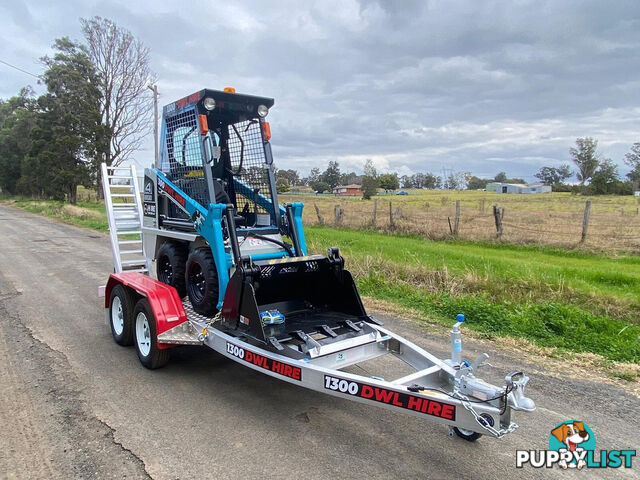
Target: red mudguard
163,299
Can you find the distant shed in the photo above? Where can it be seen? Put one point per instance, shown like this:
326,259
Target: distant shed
518,188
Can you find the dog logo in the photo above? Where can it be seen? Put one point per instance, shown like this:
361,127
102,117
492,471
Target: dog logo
572,439
572,445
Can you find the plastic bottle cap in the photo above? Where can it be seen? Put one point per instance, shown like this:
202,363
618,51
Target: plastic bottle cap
460,317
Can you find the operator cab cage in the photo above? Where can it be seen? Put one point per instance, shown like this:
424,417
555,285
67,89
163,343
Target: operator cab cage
215,147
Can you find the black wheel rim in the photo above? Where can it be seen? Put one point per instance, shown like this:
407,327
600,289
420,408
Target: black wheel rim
165,270
197,283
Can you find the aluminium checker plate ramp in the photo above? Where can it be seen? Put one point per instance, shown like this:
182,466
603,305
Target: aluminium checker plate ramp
185,333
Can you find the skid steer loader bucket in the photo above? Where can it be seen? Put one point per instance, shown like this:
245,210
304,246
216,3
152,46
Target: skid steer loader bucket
314,294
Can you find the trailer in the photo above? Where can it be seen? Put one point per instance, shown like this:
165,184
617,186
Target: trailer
226,278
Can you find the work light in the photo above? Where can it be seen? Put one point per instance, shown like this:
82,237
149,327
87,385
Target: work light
209,103
262,111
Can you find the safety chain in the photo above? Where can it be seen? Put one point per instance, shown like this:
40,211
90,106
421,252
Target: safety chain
482,421
205,333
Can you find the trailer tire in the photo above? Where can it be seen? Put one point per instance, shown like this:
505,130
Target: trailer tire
146,337
201,278
170,266
468,435
120,315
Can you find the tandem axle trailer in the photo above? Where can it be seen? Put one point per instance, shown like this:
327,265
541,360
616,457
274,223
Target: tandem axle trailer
150,314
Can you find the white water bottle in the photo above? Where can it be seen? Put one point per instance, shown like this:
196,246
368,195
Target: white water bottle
456,341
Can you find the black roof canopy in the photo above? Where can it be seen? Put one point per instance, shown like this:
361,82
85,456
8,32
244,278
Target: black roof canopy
229,107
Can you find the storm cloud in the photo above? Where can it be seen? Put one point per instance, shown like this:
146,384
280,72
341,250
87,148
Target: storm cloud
413,85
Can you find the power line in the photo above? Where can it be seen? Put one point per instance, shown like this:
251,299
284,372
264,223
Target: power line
21,70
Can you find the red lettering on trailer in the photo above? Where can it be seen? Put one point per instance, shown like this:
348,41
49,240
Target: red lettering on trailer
261,361
434,409
448,411
258,360
414,403
383,395
366,391
391,397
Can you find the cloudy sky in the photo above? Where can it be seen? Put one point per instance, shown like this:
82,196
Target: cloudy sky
413,85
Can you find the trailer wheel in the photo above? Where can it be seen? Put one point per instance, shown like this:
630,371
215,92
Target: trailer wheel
146,338
120,316
468,435
170,265
202,281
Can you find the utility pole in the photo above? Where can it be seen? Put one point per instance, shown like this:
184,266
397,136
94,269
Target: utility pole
154,89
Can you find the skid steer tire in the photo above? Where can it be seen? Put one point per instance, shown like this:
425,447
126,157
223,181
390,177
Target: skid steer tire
170,265
146,337
201,279
121,315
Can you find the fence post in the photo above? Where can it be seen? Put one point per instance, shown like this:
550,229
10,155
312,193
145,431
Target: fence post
338,213
390,215
497,215
585,220
375,211
456,223
320,219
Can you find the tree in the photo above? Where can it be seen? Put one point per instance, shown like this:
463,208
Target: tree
633,160
122,63
331,175
432,181
605,179
369,186
17,119
282,185
475,183
349,178
553,175
291,176
370,170
320,187
67,130
501,177
406,181
585,158
456,181
389,181
369,180
314,176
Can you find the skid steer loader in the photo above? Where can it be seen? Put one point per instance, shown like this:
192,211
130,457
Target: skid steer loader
213,224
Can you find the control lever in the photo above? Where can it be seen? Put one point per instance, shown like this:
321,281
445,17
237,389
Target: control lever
479,362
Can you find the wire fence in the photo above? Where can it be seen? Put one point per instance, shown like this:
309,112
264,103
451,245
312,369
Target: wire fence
610,230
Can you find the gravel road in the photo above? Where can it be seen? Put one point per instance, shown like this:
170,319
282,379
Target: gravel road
76,405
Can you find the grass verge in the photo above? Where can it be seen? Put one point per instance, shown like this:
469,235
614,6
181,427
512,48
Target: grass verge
83,214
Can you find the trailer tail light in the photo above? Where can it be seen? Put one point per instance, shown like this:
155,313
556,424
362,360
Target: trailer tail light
204,126
266,131
229,89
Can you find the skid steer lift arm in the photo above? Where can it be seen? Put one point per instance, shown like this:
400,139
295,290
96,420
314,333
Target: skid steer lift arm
208,223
